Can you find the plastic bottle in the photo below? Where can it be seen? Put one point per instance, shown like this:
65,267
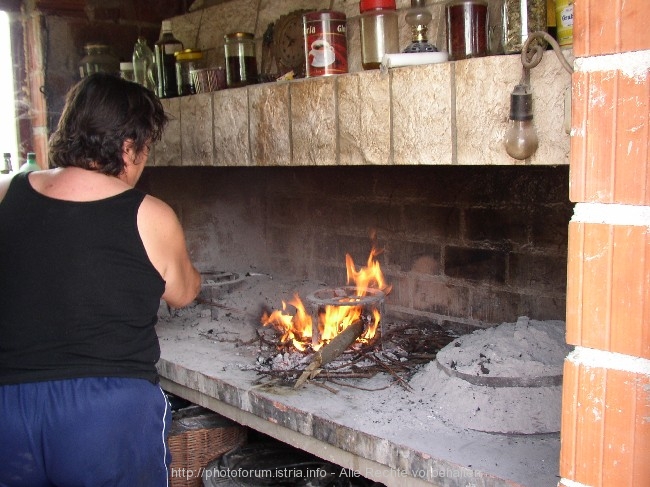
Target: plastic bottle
144,65
30,164
7,163
379,31
165,49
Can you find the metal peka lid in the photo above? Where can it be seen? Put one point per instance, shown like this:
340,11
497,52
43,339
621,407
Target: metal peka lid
365,5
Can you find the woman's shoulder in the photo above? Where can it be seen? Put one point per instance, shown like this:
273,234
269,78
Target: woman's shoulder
153,207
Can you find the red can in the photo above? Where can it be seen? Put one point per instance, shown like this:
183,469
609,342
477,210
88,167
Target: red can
326,45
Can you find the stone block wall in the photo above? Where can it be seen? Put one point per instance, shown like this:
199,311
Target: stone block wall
463,246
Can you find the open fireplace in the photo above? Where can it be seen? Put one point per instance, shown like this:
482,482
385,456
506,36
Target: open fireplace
464,249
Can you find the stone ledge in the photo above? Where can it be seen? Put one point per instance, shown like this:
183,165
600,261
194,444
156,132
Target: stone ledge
409,449
453,113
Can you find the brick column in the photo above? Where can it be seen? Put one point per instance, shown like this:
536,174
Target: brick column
605,438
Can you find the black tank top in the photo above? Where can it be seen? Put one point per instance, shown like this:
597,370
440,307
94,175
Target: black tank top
79,296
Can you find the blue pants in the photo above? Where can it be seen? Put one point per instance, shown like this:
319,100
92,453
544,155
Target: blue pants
84,432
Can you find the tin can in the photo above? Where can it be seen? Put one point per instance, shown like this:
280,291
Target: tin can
326,46
564,22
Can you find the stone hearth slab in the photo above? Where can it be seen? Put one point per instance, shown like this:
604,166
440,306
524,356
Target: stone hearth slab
387,434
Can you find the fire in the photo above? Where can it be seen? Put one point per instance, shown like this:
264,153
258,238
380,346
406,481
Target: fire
297,328
294,328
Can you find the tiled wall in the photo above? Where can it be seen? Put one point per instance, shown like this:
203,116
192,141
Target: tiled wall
606,397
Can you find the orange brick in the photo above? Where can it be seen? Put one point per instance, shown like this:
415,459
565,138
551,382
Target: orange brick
609,161
568,426
605,427
608,288
609,27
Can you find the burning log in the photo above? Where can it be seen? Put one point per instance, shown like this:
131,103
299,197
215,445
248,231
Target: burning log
329,352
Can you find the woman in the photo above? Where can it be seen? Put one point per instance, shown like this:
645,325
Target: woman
84,261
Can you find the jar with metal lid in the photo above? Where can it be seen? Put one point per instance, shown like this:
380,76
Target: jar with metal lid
379,31
467,28
187,61
99,58
241,63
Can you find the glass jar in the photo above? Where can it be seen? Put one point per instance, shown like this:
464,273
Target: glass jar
241,64
379,31
467,29
520,18
99,58
187,61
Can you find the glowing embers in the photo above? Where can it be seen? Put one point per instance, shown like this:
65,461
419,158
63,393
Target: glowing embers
333,310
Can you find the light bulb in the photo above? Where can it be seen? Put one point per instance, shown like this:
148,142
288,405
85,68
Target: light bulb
521,137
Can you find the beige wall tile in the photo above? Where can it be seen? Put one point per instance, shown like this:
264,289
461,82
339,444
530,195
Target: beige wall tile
313,121
421,105
550,82
483,87
269,122
167,152
196,129
231,138
364,119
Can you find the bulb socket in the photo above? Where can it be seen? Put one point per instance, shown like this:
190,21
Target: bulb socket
521,103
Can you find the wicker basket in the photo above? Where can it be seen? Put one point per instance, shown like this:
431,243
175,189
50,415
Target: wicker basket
206,80
197,437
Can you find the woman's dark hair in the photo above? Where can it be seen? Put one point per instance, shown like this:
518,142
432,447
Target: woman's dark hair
101,112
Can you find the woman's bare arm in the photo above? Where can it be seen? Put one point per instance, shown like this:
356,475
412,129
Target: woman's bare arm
164,241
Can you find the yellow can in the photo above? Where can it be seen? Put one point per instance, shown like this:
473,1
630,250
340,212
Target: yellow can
564,22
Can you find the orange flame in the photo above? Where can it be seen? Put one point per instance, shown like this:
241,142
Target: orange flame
332,319
295,328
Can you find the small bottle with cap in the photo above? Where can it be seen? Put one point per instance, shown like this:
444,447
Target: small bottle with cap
7,163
